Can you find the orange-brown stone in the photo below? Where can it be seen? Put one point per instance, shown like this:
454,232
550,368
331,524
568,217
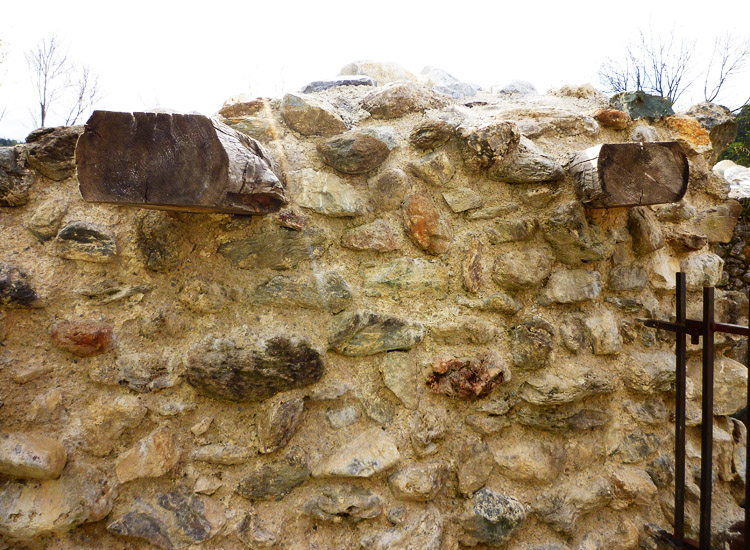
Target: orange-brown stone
82,337
612,118
425,224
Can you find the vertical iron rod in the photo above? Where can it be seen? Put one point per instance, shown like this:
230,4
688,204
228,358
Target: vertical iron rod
747,451
679,447
707,419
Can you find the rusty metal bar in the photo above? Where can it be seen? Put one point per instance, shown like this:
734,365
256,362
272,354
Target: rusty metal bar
695,328
707,418
679,453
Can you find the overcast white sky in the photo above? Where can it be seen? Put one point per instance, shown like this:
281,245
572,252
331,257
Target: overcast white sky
191,56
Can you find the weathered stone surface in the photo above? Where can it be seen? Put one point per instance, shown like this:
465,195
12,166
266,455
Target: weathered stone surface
400,98
529,460
26,373
82,337
326,194
650,373
15,288
47,218
468,378
207,485
366,333
464,330
555,123
153,456
369,453
382,72
521,87
273,480
263,128
675,212
730,377
105,420
475,463
254,535
343,502
407,277
497,302
641,105
717,223
484,145
280,250
426,433
637,446
310,116
326,291
343,417
693,137
491,517
378,236
169,520
531,344
661,270
504,231
613,118
683,241
632,487
604,333
463,199
487,424
718,120
661,471
570,286
434,169
562,420
564,505
521,268
572,334
160,240
85,241
49,151
31,456
490,212
203,296
399,372
653,411
573,239
446,84
574,384
425,225
423,532
15,180
222,454
526,163
472,267
420,482
30,509
431,134
388,189
140,372
627,277
378,406
222,368
321,85
578,91
645,229
702,270
279,424
353,152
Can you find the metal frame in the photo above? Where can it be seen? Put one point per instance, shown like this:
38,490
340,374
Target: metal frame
706,328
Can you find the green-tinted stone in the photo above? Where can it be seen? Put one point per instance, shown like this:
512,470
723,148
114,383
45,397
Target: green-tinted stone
407,277
325,291
279,249
274,480
642,105
367,333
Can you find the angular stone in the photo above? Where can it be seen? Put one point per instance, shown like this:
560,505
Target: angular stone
388,189
702,270
553,389
718,120
718,223
573,239
529,460
160,240
279,424
31,509
463,199
491,517
526,163
326,194
171,520
343,502
15,288
675,212
682,241
420,482
86,242
688,132
570,286
661,270
378,236
254,535
475,463
425,225
520,268
730,377
431,134
399,372
627,277
505,231
645,229
650,373
15,180
498,302
31,456
499,211
641,105
49,151
26,373
434,169
353,152
531,344
604,333
378,406
341,418
424,532
321,85
661,471
273,480
369,453
310,116
82,337
632,487
47,218
407,277
562,420
447,84
464,330
472,266
400,98
222,454
484,145
366,333
564,505
140,372
613,118
426,433
556,123
262,128
487,425
572,334
637,446
652,411
207,485
382,72
520,87
468,378
220,368
578,91
152,456
279,250
105,420
326,291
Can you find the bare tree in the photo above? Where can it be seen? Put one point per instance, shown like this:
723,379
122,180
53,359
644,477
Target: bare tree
86,94
728,58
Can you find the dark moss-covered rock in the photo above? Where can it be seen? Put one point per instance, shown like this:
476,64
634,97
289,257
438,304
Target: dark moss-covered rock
366,333
642,105
280,249
15,288
222,369
50,151
274,480
354,152
85,241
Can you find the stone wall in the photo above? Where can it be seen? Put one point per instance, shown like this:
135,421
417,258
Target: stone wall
434,346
